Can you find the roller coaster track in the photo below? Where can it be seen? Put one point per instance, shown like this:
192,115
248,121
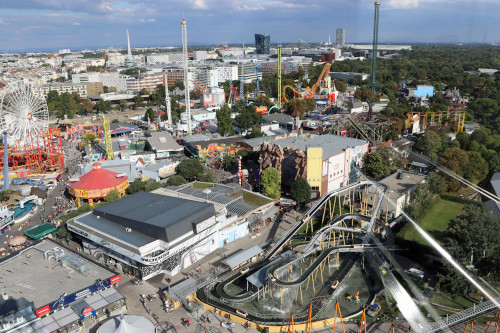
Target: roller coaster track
308,215
293,89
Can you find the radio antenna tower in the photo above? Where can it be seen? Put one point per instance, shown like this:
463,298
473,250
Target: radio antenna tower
279,76
374,50
186,82
168,104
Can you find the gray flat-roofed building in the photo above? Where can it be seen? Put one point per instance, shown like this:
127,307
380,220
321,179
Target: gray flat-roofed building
164,145
36,283
243,256
151,233
166,218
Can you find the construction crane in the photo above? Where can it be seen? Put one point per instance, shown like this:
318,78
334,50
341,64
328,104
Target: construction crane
107,138
256,68
199,86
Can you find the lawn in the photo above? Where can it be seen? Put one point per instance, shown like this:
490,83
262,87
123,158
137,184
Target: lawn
252,199
434,221
202,185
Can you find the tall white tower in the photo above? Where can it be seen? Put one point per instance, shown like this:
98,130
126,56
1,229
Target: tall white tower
168,104
186,83
129,59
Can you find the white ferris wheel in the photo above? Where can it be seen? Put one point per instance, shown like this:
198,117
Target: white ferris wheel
22,112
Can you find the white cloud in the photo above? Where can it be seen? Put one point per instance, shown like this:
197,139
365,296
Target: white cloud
142,20
152,20
199,4
403,4
2,21
76,23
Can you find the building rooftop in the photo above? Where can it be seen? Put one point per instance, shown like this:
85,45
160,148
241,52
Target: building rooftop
98,179
237,259
495,182
28,274
156,216
401,182
331,144
161,141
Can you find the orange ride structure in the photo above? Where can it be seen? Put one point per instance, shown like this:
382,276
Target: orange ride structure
96,184
31,147
39,153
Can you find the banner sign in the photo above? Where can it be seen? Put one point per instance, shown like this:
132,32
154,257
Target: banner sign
65,299
262,110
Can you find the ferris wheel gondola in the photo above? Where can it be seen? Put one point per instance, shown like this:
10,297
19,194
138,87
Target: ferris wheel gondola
22,112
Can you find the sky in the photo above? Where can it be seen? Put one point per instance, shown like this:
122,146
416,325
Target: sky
78,24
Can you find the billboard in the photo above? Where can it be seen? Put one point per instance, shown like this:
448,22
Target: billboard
262,110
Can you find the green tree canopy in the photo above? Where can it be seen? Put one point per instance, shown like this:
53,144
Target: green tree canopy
149,115
429,143
301,190
176,180
247,116
112,196
224,121
376,166
190,169
270,180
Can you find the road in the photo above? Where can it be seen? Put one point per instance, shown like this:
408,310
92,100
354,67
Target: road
43,212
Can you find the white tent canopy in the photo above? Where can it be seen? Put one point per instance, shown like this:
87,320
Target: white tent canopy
129,324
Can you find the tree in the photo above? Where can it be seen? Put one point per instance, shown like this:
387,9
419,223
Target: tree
477,168
340,85
206,177
151,186
429,143
136,186
176,180
115,121
472,238
256,132
422,199
123,104
190,169
228,161
90,139
53,96
224,121
247,116
376,166
86,106
301,190
364,94
437,184
454,159
100,106
270,180
112,196
179,84
149,115
138,100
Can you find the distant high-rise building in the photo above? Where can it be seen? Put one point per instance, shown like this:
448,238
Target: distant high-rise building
262,43
129,60
340,36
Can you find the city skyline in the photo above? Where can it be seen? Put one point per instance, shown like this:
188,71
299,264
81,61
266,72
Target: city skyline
102,23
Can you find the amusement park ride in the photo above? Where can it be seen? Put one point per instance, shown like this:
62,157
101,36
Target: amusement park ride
327,92
33,148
